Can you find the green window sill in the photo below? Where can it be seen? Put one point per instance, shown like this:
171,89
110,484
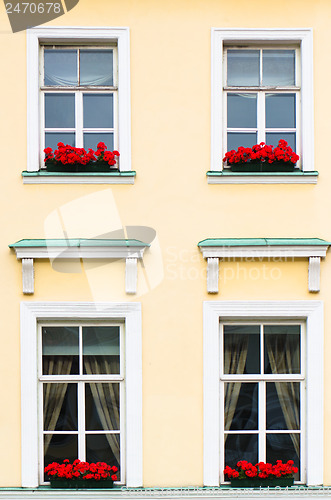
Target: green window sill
296,177
43,177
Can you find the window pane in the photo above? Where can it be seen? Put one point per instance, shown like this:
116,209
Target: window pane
283,405
60,67
274,137
284,447
102,407
60,350
236,139
103,448
240,406
96,67
240,447
280,110
59,111
58,447
101,349
243,68
282,349
53,138
241,349
98,110
92,139
242,110
60,407
279,67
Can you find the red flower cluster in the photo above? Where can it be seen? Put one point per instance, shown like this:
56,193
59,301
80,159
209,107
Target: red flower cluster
261,470
70,155
81,470
262,152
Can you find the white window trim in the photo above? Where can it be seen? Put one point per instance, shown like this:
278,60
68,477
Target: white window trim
303,36
36,36
312,313
31,313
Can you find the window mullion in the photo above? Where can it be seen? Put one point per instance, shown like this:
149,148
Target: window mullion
81,421
79,119
262,422
261,135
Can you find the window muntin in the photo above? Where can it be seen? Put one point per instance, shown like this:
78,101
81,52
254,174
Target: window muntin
261,88
79,96
262,386
82,394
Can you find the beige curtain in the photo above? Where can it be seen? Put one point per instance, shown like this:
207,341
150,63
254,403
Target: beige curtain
235,355
283,356
106,399
54,393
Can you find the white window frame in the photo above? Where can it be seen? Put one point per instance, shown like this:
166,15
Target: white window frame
261,379
311,312
303,37
39,36
33,313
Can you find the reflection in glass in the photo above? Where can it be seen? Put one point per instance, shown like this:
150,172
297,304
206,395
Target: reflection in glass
282,349
283,405
242,110
274,137
240,447
98,110
278,67
103,448
60,350
60,407
284,447
53,138
280,110
92,139
57,447
243,68
241,349
60,67
59,110
102,407
101,349
96,67
240,406
236,139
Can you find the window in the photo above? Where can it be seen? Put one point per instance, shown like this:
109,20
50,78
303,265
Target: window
78,88
262,387
79,94
82,394
262,91
81,386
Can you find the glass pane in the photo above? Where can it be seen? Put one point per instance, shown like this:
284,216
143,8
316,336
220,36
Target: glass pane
96,67
236,139
58,447
240,447
98,110
242,110
92,139
53,138
102,407
283,405
284,447
241,349
60,67
240,406
280,110
60,350
243,68
101,349
274,137
60,407
282,349
59,110
104,448
278,67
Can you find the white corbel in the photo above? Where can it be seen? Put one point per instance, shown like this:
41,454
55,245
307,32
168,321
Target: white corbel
212,274
131,273
314,274
28,276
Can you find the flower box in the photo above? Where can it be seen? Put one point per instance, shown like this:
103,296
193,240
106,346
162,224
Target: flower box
99,166
261,166
283,482
81,483
81,474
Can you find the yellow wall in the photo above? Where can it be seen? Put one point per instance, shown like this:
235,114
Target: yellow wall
170,91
